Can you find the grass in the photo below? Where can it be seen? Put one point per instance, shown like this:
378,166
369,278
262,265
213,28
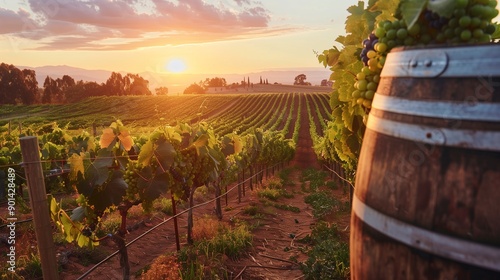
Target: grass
273,190
164,205
322,203
315,178
214,242
272,194
251,210
110,224
329,257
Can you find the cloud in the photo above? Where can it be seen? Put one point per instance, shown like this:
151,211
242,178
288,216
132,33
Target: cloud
16,22
108,24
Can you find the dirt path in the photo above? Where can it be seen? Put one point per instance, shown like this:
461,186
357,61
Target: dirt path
304,154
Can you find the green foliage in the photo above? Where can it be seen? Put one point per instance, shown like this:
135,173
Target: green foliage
273,190
316,178
342,140
31,267
164,205
321,202
251,210
287,207
272,194
229,242
329,257
205,259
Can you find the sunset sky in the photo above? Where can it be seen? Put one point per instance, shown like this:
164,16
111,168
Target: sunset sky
191,36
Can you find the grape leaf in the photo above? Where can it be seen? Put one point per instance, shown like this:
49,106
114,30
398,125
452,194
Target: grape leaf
411,10
78,214
54,207
125,140
115,189
387,9
107,138
76,164
83,241
146,153
110,194
165,153
91,144
201,144
227,145
97,172
155,187
172,134
347,117
84,185
66,227
443,8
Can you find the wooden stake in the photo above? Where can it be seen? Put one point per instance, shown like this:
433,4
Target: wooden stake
39,206
176,228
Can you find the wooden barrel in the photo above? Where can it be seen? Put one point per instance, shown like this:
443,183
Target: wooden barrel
427,193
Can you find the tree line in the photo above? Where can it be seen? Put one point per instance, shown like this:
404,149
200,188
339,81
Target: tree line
21,87
217,82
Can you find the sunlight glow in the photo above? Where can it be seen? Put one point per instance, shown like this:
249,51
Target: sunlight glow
176,65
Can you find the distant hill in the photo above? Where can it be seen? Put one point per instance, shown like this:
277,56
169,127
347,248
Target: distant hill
178,82
78,74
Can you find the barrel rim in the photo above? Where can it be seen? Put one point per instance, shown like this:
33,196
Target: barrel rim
454,61
440,46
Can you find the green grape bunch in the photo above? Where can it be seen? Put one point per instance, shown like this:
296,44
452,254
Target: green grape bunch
130,176
460,22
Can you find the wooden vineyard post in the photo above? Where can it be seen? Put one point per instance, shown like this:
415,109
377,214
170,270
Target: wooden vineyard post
251,177
239,189
225,191
10,124
243,181
176,229
39,206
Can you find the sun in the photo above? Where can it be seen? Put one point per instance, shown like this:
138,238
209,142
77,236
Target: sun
176,65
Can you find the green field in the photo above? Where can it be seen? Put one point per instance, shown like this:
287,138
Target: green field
225,112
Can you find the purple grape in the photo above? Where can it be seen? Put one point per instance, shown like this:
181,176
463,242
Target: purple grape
366,42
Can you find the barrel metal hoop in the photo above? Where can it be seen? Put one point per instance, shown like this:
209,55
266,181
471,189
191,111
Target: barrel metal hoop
464,138
457,249
468,61
477,111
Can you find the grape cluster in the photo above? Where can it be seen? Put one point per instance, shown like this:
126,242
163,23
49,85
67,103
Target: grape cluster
130,177
434,20
470,23
368,45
